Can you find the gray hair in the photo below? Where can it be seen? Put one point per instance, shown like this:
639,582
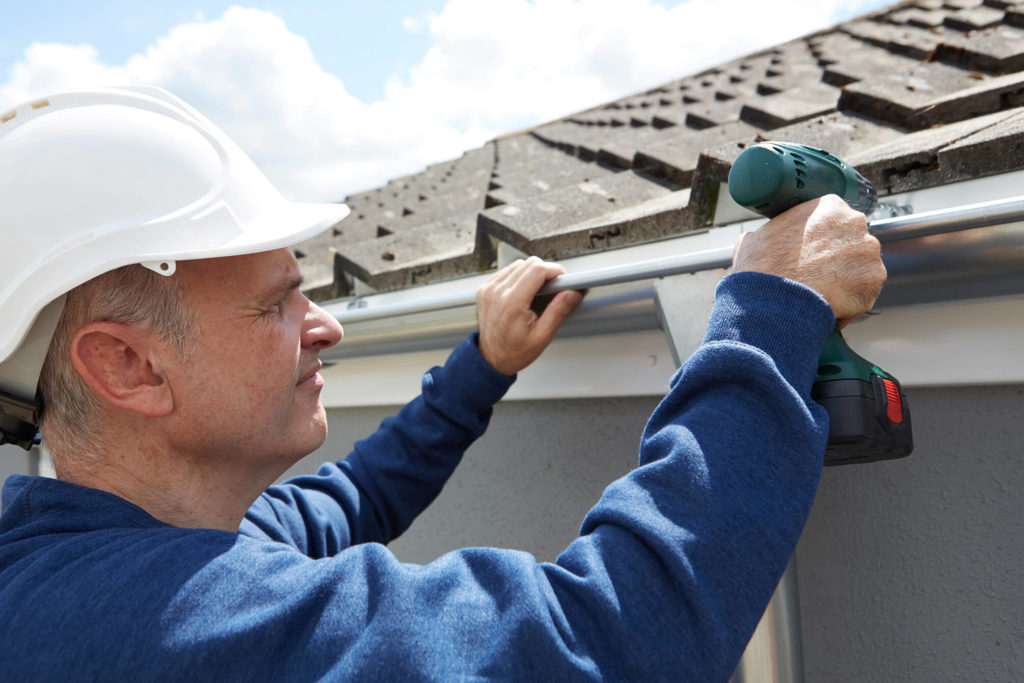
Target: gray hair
70,423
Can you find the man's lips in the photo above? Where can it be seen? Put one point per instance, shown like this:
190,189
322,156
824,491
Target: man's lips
311,374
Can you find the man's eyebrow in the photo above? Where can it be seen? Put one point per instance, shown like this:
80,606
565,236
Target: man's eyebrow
286,284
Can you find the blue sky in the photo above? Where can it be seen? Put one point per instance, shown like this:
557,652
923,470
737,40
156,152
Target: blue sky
334,97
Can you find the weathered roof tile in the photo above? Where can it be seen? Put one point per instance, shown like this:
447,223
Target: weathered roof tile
675,159
1003,4
913,161
917,16
714,112
621,153
791,106
963,4
993,149
974,18
848,60
906,40
438,250
571,220
526,167
998,49
582,141
931,94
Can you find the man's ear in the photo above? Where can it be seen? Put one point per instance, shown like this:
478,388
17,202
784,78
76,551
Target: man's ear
122,364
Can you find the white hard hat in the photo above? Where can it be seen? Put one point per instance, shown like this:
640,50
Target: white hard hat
97,179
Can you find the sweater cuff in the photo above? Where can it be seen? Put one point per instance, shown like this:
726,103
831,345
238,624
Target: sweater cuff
480,386
785,319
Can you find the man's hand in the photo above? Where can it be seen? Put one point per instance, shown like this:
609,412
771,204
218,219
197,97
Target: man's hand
511,334
823,244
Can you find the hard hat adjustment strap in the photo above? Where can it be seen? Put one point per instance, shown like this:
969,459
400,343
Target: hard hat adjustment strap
19,421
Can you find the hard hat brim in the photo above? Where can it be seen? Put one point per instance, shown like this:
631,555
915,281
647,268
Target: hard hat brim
284,226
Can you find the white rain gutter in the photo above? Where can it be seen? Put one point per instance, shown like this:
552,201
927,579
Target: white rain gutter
967,252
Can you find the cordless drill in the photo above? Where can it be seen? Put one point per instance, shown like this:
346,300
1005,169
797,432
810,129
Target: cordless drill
869,418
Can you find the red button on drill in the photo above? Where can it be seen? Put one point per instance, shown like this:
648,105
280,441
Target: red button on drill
894,408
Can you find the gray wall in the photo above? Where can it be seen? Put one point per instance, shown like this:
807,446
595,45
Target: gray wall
909,570
13,460
526,484
913,570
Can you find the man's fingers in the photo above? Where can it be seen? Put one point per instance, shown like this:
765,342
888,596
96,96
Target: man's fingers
531,277
556,312
504,275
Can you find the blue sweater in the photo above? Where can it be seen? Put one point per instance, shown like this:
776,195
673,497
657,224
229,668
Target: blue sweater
670,573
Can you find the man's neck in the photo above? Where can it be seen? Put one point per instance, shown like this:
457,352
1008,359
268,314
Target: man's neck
175,490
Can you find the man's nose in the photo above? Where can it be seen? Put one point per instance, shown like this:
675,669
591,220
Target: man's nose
322,330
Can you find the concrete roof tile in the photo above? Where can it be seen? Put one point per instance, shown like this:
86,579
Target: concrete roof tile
858,60
912,161
572,220
998,49
917,16
787,77
621,153
527,167
931,94
974,18
907,40
791,106
675,158
425,253
583,141
714,112
993,149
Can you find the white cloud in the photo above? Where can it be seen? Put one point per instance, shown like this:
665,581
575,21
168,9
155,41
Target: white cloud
411,24
507,63
493,67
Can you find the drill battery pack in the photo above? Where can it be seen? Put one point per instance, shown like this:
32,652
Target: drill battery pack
868,421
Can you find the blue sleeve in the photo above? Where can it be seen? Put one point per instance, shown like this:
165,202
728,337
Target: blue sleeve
389,478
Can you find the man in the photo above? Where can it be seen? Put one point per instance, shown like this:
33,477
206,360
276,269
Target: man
172,401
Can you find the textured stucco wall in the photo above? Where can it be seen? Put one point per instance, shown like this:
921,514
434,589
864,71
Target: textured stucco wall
913,570
909,570
526,484
13,460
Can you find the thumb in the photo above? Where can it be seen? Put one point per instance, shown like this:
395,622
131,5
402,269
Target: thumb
556,312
